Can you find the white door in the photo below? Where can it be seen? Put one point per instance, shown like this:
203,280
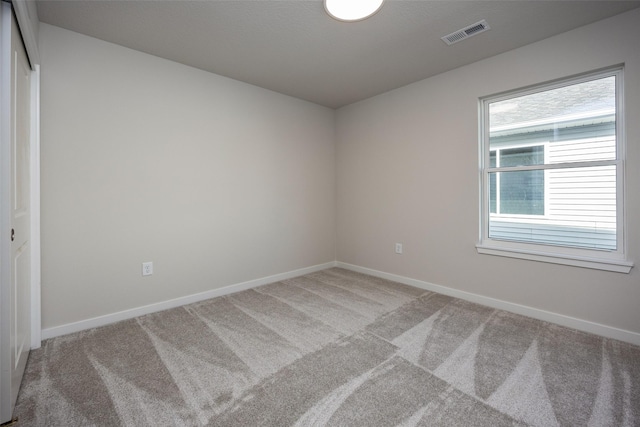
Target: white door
18,313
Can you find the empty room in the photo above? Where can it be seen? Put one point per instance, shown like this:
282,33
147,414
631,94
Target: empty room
297,213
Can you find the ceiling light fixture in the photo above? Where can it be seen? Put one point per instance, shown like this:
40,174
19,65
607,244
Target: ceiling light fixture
352,10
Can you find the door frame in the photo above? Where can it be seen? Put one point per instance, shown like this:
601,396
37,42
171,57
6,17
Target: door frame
25,24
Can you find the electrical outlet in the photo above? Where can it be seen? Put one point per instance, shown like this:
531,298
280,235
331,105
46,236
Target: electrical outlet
398,248
147,268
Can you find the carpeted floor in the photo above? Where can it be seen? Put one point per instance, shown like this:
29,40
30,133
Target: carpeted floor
332,348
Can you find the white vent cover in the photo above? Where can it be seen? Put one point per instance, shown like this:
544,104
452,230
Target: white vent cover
471,30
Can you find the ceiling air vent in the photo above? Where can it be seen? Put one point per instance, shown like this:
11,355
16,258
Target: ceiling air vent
467,32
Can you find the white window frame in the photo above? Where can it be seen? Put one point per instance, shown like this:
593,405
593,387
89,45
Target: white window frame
597,259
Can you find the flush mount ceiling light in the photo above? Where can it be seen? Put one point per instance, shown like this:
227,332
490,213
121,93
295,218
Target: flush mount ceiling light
352,10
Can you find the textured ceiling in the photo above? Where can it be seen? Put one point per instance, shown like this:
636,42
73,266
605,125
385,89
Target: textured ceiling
294,47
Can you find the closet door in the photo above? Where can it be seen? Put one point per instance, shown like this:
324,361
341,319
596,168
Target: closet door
16,300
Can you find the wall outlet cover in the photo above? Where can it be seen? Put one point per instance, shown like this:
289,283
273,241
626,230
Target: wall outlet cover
147,268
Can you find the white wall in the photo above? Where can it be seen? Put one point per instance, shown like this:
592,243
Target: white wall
215,181
407,171
218,182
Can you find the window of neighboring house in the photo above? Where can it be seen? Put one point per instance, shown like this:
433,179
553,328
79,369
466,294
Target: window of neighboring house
552,173
517,193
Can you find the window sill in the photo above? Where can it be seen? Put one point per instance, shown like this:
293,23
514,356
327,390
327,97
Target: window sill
618,266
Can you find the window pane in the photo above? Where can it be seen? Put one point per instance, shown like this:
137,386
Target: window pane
577,122
581,210
521,192
522,156
492,193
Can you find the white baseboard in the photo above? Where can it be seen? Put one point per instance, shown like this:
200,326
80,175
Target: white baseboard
107,319
559,319
570,322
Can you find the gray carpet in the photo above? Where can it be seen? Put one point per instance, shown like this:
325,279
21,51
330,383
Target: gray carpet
332,348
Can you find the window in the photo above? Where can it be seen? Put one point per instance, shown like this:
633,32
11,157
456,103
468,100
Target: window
520,193
552,173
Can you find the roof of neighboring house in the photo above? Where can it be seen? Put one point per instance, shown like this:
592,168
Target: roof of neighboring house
588,99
